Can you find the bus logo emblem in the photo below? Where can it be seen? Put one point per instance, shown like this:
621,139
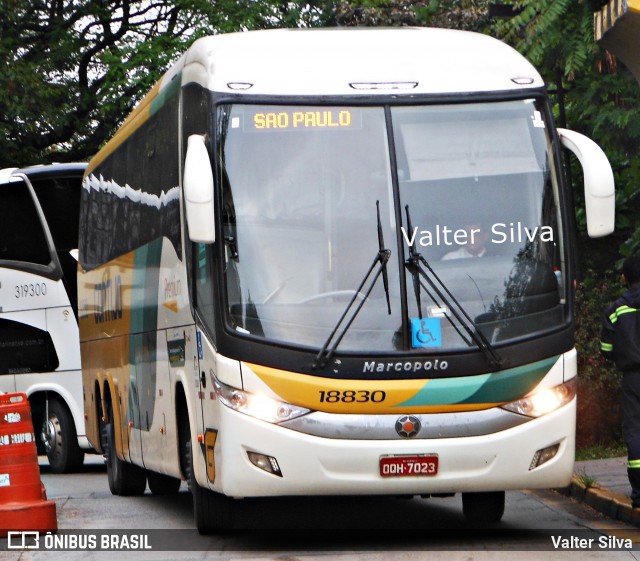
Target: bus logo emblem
408,426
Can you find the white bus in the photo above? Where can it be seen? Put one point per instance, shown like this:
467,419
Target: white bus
39,341
274,297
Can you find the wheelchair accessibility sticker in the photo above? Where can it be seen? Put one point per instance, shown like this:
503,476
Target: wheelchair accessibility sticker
426,332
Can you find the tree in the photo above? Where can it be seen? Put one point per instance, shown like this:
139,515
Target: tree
456,14
73,69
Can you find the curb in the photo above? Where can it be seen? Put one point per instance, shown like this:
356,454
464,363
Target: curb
613,505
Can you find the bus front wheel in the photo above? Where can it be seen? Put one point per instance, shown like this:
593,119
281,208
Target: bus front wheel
212,511
481,508
60,439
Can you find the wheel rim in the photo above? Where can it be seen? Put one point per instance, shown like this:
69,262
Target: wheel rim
50,435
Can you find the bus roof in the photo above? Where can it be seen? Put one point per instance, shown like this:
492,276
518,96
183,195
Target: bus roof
351,61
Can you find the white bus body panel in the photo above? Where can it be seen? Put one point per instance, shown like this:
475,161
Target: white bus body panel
313,465
21,290
378,61
43,303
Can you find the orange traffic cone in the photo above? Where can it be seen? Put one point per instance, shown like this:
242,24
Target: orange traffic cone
23,500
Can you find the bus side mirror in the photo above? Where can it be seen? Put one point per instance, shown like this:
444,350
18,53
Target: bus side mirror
599,187
198,191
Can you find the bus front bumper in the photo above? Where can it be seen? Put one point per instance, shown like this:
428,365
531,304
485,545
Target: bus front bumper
312,465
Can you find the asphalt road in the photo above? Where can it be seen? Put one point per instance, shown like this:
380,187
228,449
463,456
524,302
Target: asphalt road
536,525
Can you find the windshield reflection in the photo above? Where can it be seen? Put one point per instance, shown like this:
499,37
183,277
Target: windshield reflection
301,187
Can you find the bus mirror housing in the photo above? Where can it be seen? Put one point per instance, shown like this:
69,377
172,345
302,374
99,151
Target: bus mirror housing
198,191
599,186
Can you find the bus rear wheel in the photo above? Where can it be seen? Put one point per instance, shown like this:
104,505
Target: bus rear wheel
60,439
481,508
124,479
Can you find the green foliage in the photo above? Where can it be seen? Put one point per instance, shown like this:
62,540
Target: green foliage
553,34
73,70
588,481
609,449
599,97
599,417
456,14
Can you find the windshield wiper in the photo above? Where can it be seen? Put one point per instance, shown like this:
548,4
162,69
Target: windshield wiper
420,270
379,262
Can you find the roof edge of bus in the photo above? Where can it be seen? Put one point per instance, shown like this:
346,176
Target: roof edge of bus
334,63
330,61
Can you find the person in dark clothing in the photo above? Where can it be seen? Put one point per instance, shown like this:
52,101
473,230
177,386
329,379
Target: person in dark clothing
620,342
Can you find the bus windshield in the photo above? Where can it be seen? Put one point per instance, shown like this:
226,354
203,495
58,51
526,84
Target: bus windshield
470,189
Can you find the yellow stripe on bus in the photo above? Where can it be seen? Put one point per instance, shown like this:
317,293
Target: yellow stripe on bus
352,396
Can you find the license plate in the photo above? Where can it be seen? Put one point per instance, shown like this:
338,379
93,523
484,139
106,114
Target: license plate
423,465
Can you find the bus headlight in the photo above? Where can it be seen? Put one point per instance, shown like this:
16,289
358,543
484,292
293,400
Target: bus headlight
257,405
544,401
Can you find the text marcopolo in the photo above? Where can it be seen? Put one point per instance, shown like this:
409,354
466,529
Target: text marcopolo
405,366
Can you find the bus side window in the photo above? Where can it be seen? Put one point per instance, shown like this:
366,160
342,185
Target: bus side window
21,235
25,349
60,202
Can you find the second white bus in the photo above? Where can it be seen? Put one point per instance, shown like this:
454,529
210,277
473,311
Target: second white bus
39,341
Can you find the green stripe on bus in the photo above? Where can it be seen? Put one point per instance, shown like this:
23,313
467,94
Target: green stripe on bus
165,94
633,464
494,387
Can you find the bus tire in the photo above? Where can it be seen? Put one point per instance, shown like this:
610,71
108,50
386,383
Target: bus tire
483,507
124,479
161,484
212,512
60,439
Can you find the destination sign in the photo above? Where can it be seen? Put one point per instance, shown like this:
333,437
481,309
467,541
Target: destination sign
289,118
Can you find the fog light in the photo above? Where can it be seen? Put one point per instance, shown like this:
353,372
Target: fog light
543,456
265,463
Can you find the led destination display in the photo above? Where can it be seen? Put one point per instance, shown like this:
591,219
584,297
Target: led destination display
289,118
